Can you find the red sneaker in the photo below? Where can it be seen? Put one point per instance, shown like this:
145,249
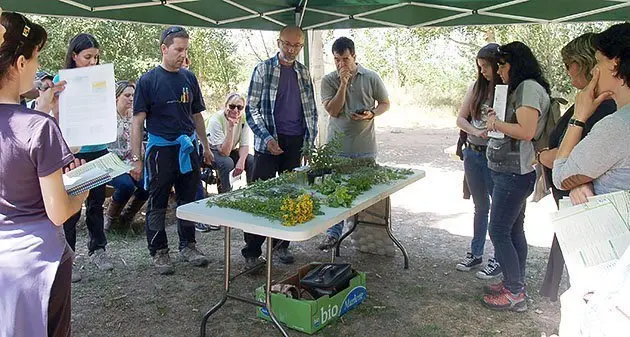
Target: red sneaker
499,288
494,289
506,301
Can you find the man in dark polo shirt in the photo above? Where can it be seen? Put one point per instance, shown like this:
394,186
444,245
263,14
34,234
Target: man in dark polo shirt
282,115
168,97
352,96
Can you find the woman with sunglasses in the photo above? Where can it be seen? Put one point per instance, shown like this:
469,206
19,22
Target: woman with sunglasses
579,59
229,137
126,187
511,160
35,260
84,51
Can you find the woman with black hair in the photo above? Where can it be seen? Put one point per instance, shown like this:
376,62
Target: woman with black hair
472,118
84,51
511,160
35,260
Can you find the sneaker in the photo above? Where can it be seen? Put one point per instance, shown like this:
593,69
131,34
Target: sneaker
498,288
202,227
254,264
328,243
284,255
76,274
101,260
469,262
490,271
506,301
194,256
162,262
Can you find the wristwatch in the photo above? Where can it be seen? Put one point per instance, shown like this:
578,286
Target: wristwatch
135,158
576,122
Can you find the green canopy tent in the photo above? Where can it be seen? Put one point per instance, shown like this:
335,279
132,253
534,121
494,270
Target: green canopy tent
329,14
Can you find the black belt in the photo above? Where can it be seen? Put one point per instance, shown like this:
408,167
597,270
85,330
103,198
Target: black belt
478,148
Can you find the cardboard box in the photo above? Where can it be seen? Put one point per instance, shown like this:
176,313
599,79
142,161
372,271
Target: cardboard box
309,316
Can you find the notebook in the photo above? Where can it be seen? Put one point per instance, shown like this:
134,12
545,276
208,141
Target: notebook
93,174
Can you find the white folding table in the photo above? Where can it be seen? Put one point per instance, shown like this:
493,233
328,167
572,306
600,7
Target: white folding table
199,211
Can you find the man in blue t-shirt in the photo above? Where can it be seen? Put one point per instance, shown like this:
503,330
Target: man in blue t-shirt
169,99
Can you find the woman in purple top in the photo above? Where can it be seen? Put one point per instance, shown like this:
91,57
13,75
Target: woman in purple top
35,261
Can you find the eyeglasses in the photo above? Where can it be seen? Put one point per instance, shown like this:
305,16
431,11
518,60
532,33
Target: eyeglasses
234,106
289,45
172,30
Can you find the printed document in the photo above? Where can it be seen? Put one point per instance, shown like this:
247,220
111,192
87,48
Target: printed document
593,236
499,106
87,107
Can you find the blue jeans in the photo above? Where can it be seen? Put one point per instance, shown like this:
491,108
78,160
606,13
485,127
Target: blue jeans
336,230
126,187
480,185
507,217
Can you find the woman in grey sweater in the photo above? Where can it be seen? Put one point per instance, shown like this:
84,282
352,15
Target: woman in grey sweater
600,163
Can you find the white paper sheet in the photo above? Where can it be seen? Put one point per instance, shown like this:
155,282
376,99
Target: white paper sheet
87,107
499,106
592,236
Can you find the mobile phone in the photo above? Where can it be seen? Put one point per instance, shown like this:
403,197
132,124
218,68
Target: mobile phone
42,86
360,111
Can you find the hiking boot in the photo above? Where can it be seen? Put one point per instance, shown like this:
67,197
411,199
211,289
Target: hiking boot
490,271
284,255
129,213
506,301
254,264
328,243
162,262
76,274
194,256
469,262
102,261
111,216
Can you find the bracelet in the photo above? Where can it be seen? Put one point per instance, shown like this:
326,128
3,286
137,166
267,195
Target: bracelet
576,122
539,152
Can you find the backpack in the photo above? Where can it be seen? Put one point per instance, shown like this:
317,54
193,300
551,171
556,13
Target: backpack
548,122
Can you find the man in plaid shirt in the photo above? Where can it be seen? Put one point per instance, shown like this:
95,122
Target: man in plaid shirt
281,112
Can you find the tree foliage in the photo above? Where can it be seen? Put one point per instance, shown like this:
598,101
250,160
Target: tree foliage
134,49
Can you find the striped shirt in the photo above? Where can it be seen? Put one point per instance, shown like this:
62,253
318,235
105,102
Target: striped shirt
261,100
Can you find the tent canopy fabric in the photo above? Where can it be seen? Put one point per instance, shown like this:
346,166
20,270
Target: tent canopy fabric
329,14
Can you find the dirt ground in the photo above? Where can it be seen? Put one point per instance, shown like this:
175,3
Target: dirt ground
430,299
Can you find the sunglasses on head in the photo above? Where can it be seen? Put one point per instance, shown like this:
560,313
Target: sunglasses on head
172,30
235,106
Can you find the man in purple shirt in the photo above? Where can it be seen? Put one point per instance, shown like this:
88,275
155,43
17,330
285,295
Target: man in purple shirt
282,115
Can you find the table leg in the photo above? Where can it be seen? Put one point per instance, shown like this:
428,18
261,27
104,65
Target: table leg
268,287
227,284
388,227
354,226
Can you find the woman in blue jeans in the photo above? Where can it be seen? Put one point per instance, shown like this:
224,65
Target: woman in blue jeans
511,160
120,211
472,118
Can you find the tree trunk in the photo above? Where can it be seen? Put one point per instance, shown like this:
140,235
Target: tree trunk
317,73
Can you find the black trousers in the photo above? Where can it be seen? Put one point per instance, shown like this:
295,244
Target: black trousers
93,216
60,302
265,167
162,166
